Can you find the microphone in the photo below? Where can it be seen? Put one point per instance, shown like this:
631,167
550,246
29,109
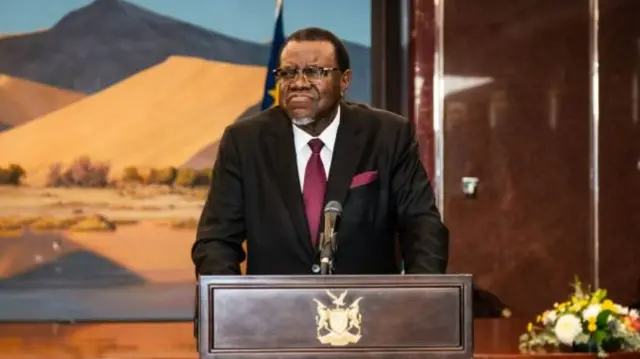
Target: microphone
328,241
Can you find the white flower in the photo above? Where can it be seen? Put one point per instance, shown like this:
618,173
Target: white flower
591,311
567,328
549,317
621,327
633,313
621,310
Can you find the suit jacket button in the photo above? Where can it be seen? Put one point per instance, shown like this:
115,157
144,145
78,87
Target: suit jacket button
315,268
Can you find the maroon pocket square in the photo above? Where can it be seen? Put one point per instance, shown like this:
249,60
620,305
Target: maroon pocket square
363,178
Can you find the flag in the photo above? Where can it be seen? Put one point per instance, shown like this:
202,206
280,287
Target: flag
271,92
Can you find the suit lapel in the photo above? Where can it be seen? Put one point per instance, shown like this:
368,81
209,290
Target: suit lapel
282,154
346,155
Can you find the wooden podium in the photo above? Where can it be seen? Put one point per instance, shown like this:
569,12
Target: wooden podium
391,316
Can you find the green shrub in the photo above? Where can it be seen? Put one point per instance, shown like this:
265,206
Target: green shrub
12,175
82,173
189,177
131,175
163,176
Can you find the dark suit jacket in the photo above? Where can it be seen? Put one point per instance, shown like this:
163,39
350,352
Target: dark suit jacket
255,195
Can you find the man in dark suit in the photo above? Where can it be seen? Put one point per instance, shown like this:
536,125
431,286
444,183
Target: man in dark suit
276,170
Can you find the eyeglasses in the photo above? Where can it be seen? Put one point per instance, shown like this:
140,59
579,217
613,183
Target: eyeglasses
310,73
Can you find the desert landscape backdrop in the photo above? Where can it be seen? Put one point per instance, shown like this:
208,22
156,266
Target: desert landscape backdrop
109,126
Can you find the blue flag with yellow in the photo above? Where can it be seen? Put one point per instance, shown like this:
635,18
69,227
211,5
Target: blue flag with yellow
271,93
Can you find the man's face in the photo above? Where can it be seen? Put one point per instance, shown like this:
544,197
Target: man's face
310,83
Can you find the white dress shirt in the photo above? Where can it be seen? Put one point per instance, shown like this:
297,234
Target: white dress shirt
303,151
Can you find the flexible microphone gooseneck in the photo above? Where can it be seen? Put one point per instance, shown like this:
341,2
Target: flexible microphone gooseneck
328,239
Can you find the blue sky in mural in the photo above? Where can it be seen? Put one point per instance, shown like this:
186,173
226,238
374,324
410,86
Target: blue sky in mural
250,20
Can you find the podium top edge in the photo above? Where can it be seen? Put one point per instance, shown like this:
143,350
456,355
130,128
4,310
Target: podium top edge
344,280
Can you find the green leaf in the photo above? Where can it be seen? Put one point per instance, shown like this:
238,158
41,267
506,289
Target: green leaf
599,336
603,318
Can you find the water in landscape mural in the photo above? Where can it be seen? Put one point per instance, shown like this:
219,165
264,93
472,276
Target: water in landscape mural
110,117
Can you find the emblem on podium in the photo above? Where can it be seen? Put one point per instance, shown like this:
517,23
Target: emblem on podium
340,325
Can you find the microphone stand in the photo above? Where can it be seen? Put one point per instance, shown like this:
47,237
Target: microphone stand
327,251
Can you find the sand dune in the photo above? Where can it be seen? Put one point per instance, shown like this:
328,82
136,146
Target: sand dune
159,117
157,254
23,100
150,252
26,251
169,260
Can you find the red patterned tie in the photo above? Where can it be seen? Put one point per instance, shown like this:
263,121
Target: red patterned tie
315,182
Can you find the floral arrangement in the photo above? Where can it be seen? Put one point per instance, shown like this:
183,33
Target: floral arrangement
587,322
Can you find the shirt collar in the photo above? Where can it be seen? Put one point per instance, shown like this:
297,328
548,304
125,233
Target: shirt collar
328,136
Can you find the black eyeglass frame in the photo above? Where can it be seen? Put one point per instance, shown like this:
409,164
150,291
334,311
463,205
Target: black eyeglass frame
307,72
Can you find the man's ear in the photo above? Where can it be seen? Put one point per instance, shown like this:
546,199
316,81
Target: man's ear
344,82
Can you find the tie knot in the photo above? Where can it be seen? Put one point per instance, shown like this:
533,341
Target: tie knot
316,145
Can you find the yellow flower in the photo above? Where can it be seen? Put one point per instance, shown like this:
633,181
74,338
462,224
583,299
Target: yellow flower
575,300
529,327
592,327
597,296
566,305
607,304
538,319
576,307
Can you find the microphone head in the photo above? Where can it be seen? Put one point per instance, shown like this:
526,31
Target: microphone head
333,207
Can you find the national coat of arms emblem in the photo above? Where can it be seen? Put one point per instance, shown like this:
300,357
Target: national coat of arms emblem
341,325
